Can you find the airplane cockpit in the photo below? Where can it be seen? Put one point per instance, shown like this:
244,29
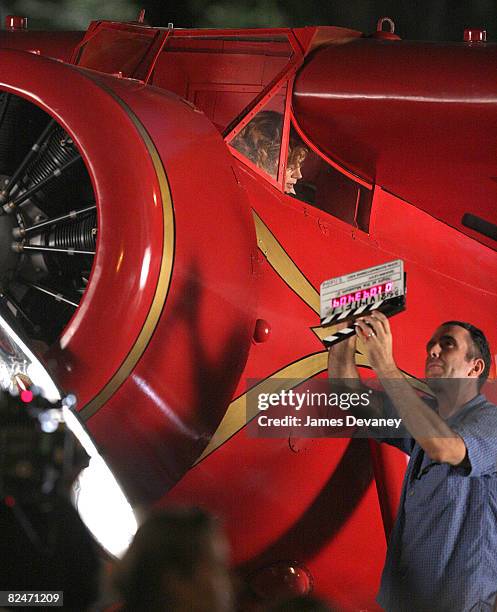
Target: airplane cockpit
235,79
309,177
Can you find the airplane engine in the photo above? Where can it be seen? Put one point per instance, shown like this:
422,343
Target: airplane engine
122,262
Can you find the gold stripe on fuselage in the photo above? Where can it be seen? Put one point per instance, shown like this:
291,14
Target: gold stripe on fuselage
163,281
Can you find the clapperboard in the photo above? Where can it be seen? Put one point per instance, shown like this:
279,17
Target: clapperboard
347,297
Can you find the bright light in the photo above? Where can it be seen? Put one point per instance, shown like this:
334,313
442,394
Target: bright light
49,420
104,509
23,360
99,499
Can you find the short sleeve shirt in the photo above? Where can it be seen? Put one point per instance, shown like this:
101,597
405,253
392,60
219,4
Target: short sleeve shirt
442,553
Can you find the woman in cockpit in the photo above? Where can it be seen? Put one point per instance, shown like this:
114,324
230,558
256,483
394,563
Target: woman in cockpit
260,142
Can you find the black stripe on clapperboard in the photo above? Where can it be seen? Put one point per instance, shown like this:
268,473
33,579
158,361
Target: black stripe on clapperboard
346,332
341,334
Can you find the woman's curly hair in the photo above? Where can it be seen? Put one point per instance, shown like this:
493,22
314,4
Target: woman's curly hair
260,142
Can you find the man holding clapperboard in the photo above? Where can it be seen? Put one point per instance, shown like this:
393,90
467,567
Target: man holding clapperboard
442,552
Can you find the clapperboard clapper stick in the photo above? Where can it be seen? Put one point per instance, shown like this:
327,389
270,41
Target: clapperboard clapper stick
345,298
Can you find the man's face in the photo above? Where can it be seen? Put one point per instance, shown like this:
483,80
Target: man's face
447,354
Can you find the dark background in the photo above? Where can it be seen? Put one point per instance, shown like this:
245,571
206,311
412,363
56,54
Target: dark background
416,19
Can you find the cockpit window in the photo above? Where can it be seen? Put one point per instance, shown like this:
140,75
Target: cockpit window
308,177
312,179
260,141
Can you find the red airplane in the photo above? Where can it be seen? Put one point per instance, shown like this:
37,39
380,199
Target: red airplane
170,278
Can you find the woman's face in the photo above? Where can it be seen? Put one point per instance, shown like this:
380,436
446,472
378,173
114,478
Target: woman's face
292,175
296,158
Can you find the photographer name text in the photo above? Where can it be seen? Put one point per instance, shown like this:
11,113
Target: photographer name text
349,421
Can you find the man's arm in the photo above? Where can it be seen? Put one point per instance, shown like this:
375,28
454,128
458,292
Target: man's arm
437,439
343,375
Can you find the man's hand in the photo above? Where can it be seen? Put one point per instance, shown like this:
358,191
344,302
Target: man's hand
341,357
376,335
344,350
342,370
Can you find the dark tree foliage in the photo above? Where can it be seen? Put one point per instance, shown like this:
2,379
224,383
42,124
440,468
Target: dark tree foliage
414,19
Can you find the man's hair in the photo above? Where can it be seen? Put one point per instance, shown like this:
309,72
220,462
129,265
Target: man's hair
481,347
170,542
